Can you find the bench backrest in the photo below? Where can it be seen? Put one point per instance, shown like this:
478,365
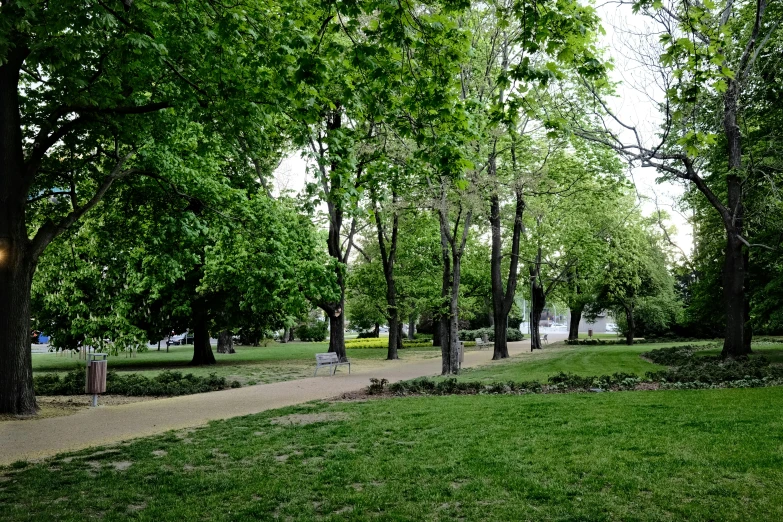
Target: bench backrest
326,358
479,340
544,336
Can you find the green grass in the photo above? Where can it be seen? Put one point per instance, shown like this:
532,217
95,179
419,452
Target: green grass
667,455
581,360
591,360
250,365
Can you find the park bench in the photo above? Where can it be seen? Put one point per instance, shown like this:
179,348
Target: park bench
481,344
329,360
545,338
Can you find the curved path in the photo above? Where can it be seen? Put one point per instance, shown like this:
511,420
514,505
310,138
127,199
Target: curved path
35,439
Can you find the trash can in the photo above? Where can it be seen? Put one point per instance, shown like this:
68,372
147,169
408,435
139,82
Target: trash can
590,333
97,364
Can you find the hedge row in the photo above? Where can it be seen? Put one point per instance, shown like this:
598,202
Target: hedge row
593,342
166,383
382,342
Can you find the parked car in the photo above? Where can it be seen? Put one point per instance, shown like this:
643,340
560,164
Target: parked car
181,339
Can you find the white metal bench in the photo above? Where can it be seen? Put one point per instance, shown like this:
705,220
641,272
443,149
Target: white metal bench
481,344
329,360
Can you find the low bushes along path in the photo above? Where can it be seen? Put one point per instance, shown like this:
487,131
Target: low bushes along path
34,439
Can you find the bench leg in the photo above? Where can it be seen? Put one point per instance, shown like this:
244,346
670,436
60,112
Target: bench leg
315,372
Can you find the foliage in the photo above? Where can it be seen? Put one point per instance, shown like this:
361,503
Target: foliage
167,383
378,342
688,367
316,331
512,334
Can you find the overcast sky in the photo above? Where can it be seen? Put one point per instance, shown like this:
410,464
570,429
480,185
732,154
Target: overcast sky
634,103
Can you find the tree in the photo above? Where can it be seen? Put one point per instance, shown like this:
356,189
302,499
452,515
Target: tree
88,94
707,49
635,270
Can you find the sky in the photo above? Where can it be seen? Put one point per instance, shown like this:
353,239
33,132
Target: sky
634,103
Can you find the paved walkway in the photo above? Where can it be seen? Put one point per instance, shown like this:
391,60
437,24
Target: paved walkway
35,439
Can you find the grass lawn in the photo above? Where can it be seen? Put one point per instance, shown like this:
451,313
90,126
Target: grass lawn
590,360
666,455
582,360
249,365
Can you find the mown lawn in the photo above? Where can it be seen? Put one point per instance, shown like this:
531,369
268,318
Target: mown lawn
249,365
591,360
582,360
666,455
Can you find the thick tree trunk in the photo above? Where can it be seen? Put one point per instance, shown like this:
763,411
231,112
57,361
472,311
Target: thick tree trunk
337,333
436,333
16,367
503,298
225,342
376,331
734,268
399,335
536,309
412,327
631,331
734,294
573,326
202,349
451,362
17,260
284,337
535,329
394,332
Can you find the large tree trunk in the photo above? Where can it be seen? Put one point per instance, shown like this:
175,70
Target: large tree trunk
412,327
537,304
225,342
337,333
503,298
202,349
734,294
573,326
16,366
284,337
394,335
449,312
17,260
734,267
631,330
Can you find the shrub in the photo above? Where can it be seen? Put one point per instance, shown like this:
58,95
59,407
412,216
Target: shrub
713,370
512,334
166,383
315,332
672,356
354,344
367,335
